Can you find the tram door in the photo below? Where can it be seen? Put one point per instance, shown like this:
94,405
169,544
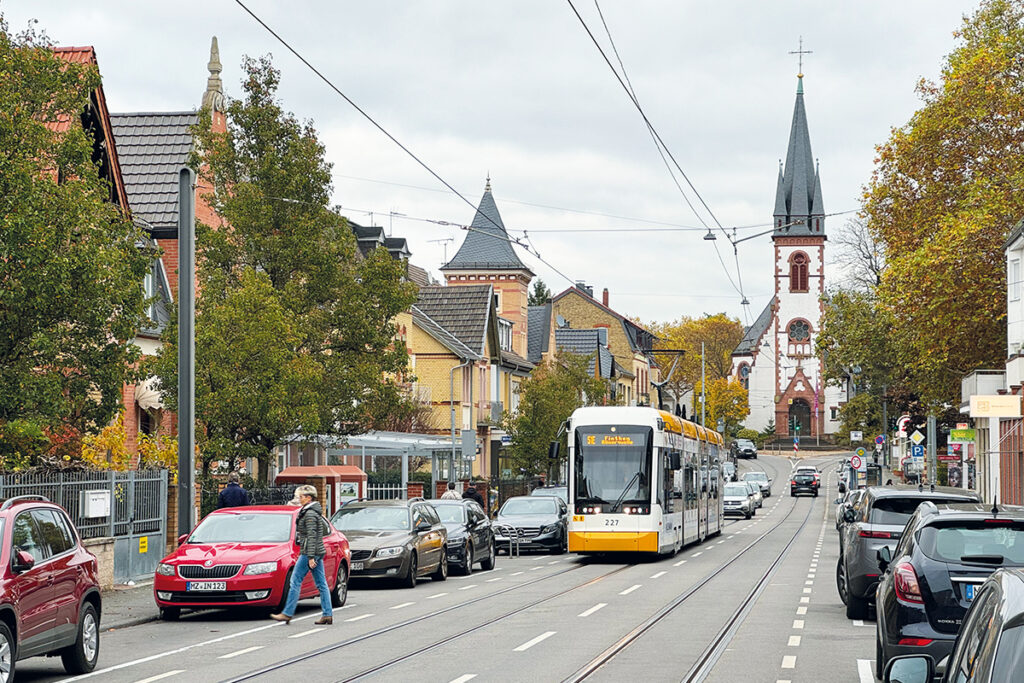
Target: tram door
705,492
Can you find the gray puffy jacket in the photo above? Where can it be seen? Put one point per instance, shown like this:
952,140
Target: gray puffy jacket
309,530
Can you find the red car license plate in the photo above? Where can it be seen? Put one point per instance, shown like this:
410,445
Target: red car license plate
206,586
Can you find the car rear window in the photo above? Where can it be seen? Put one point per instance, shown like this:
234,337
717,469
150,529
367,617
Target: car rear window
249,527
985,540
803,478
755,476
897,511
736,490
451,513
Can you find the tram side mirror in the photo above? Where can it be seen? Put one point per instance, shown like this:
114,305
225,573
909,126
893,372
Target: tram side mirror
554,448
674,461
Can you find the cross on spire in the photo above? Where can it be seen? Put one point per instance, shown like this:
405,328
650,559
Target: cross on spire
800,52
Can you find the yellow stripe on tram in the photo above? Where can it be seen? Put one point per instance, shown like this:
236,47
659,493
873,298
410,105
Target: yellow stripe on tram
613,541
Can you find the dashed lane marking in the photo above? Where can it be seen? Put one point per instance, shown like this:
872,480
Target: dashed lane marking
436,595
800,611
630,589
794,641
241,652
404,604
698,553
805,599
789,662
466,588
533,641
309,632
463,678
588,612
864,671
798,623
554,561
515,573
807,590
359,618
158,677
680,562
533,569
658,575
493,580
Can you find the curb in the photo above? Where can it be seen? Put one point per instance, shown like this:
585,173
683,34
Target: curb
128,623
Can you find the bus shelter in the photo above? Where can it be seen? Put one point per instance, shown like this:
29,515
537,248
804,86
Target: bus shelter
365,448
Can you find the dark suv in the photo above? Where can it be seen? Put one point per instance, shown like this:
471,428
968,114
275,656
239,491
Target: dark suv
877,521
400,539
803,482
929,581
49,591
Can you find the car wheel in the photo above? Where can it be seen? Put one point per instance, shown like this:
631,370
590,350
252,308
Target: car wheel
340,593
467,565
441,574
284,592
410,579
6,654
487,563
170,613
747,515
841,580
563,545
815,494
81,657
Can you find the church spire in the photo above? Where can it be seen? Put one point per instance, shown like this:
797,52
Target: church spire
214,95
798,196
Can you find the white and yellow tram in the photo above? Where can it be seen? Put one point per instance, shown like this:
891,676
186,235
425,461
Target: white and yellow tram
641,480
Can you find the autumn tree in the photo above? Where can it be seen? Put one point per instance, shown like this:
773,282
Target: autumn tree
71,270
726,401
943,195
546,400
540,294
294,330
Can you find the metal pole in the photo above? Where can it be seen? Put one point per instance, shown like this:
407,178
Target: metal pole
703,381
186,350
933,470
405,474
451,401
885,427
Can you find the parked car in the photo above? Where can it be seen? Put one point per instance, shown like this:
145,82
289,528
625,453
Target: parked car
49,588
848,500
928,583
876,522
737,500
990,645
729,472
243,557
470,534
398,539
812,470
559,491
803,482
745,448
755,494
761,479
538,521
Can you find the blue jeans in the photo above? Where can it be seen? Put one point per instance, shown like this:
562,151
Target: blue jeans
298,574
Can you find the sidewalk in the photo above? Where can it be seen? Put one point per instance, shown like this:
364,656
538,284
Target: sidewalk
125,606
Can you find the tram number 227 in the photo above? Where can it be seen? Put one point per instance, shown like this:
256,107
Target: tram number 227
611,522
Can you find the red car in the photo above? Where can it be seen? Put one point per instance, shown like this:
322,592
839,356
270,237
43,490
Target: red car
243,557
49,589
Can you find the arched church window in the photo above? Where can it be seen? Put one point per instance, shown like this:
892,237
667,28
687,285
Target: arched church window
799,331
744,374
798,272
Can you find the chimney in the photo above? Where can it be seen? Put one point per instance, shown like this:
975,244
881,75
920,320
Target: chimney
604,297
585,288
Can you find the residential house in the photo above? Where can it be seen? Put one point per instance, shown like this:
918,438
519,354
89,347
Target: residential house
592,343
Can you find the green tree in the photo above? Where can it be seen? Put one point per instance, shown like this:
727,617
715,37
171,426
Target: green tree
944,193
71,272
540,294
726,401
546,400
863,412
855,340
294,330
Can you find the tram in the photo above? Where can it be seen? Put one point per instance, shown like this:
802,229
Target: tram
641,480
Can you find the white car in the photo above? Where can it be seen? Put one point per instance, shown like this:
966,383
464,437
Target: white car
755,492
762,480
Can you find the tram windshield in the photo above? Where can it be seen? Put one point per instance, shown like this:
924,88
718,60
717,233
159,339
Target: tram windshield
613,465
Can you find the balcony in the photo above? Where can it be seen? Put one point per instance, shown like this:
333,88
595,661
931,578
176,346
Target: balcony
490,412
981,383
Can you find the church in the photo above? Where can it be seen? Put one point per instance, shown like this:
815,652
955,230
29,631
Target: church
776,358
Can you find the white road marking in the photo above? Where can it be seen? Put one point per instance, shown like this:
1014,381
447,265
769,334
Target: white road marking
588,612
807,590
241,652
680,562
303,634
859,622
720,543
436,595
166,674
497,578
789,662
515,573
659,574
463,678
404,604
864,671
794,641
805,599
798,623
530,643
733,536
809,582
630,589
800,611
554,561
360,617
698,553
533,569
466,588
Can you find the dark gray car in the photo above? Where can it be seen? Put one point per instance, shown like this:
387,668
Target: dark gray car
539,523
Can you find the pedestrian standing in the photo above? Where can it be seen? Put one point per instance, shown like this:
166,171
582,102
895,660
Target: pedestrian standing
451,493
309,534
473,494
233,495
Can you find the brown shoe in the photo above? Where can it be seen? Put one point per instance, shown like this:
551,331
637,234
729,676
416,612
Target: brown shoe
281,617
325,621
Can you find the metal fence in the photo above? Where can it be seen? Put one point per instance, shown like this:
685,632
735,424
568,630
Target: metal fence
385,491
269,495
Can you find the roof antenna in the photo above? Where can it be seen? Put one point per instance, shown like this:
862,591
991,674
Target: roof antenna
995,506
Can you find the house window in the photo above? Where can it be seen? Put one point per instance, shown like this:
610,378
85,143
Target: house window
497,302
798,272
1014,279
505,334
149,284
834,412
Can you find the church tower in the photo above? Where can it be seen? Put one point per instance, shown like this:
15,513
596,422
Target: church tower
487,257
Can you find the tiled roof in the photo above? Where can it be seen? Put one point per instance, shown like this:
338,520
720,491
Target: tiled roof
418,276
753,333
464,311
513,359
585,343
153,147
640,338
443,336
538,330
487,245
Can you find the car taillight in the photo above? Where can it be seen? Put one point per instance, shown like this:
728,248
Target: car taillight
793,483
874,534
905,581
916,642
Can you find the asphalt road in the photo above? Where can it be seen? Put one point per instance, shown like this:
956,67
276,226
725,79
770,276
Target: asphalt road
758,603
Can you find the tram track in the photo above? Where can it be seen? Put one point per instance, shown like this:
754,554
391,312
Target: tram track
709,656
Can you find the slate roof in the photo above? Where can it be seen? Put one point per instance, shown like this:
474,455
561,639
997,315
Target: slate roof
443,336
463,311
752,335
538,331
586,343
418,276
153,146
640,339
798,195
487,245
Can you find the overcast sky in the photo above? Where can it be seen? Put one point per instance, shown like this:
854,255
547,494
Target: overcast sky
517,89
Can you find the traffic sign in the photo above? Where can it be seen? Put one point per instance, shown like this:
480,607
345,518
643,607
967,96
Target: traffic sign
856,462
880,439
856,436
917,450
860,451
917,437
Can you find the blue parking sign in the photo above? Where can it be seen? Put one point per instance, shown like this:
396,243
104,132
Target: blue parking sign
917,450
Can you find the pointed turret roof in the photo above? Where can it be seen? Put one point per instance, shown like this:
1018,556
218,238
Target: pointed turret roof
798,196
487,245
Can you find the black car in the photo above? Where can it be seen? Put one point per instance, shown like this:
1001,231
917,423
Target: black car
946,552
990,646
538,522
803,483
470,535
744,448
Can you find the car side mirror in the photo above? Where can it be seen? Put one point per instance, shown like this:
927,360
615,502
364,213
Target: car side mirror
849,515
884,556
23,561
423,526
182,539
910,669
674,462
842,487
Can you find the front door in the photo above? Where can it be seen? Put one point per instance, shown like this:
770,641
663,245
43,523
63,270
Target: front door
799,418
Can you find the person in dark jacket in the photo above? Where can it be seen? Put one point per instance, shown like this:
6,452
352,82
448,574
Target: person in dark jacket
233,495
473,494
309,534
